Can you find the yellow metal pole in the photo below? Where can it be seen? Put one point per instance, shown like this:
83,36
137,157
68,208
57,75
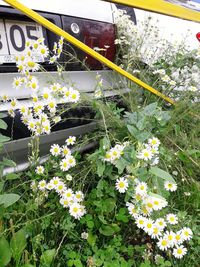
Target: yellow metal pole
163,7
52,27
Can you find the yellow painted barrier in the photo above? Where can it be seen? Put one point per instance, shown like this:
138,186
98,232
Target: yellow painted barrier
163,7
52,27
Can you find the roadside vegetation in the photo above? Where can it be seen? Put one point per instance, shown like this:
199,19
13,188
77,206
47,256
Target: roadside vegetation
133,199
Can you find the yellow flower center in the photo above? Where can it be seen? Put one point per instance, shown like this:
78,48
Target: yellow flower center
75,209
179,251
164,243
31,64
121,184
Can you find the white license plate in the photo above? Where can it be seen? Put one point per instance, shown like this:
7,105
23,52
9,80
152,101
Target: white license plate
13,36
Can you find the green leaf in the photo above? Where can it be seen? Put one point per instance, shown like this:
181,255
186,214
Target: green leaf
3,115
108,205
47,257
90,224
141,137
78,263
3,125
109,230
100,168
156,195
5,253
8,162
18,244
141,124
91,239
4,139
150,109
105,143
133,130
12,176
121,165
9,199
162,174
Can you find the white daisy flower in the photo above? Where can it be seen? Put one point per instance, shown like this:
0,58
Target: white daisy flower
121,184
141,189
145,154
76,210
66,151
140,222
74,96
55,181
170,236
49,186
156,232
67,93
78,196
148,226
64,165
68,194
24,110
44,51
14,103
71,161
11,112
31,65
159,204
33,84
178,238
132,210
169,186
17,82
64,202
186,233
154,142
60,187
46,94
163,244
179,252
51,105
4,98
55,150
148,203
42,185
172,218
31,125
70,140
115,153
46,128
39,169
160,222
55,87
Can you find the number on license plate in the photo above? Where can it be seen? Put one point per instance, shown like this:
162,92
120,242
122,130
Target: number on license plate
13,36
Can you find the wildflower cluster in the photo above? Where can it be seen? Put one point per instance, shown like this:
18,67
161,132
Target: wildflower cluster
134,40
68,198
145,207
115,153
149,152
43,109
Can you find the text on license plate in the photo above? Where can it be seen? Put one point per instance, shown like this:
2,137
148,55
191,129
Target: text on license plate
13,36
